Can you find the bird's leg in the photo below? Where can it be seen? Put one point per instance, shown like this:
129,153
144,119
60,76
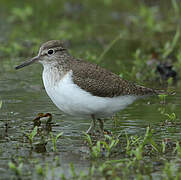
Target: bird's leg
93,124
101,125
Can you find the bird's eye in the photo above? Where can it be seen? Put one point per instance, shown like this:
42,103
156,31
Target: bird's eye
50,52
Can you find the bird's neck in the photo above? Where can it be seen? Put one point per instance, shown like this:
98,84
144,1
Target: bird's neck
54,72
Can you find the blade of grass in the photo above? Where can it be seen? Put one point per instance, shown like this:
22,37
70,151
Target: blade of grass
110,45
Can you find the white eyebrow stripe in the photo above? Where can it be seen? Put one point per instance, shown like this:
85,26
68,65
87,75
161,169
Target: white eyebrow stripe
43,51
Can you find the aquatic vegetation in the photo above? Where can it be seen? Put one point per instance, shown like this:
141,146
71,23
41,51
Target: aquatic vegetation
137,153
17,169
178,149
39,170
171,117
136,145
129,41
32,134
102,147
1,103
54,140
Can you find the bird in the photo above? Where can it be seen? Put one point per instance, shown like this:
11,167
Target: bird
84,89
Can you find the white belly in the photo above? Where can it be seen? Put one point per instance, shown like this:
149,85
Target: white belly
72,100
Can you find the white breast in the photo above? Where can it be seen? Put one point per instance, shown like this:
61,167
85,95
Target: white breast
73,100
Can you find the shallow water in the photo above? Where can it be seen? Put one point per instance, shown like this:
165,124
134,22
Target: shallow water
24,96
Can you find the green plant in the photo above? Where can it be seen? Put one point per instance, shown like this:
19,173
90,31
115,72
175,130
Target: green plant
112,142
110,45
1,103
88,139
170,46
163,97
54,140
72,169
96,150
131,142
163,147
21,14
171,171
106,145
39,170
17,169
135,145
32,134
178,149
171,117
176,8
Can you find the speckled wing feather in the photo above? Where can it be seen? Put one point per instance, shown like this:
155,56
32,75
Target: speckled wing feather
101,82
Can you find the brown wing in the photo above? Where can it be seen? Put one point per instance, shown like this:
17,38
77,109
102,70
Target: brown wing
101,82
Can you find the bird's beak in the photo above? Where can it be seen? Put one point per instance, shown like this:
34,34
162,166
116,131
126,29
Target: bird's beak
28,62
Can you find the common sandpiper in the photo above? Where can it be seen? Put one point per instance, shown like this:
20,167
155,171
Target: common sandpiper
83,89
